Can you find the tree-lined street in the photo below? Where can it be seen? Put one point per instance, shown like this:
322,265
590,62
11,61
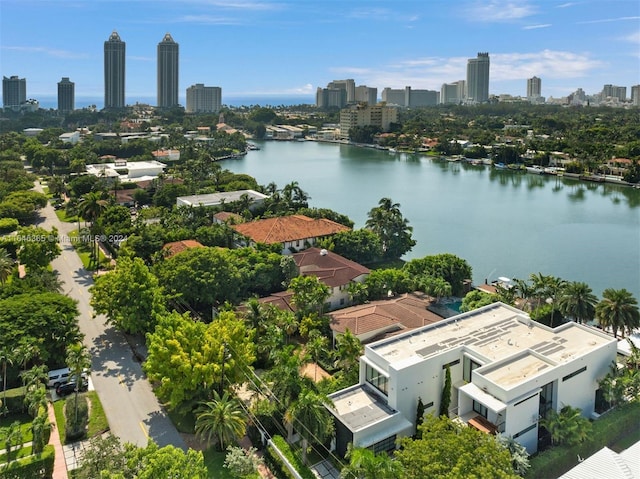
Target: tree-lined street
131,407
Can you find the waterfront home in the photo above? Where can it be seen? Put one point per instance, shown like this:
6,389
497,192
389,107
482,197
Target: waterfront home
331,269
377,319
224,197
295,232
507,373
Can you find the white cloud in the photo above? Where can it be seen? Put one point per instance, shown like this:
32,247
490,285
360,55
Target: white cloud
565,5
238,4
632,38
608,20
431,72
535,27
53,52
501,10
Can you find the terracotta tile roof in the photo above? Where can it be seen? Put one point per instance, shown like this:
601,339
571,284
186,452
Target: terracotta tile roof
225,216
330,268
176,247
281,300
288,228
407,311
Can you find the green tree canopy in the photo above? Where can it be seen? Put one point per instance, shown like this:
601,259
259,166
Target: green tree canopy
129,296
451,268
38,247
451,450
394,231
186,357
362,246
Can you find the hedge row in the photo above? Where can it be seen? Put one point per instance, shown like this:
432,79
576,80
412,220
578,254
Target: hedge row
38,466
607,430
277,465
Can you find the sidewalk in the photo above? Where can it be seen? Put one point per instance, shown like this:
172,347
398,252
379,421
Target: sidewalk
60,465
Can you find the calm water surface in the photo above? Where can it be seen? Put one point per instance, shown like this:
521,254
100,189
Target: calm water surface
502,223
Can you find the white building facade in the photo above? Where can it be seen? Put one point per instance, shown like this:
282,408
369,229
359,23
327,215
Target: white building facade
507,372
203,99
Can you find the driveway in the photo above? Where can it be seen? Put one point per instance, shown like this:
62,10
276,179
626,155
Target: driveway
131,407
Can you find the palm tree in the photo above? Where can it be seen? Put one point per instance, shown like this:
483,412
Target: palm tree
40,428
547,289
26,352
316,345
6,358
394,231
35,376
78,360
309,415
56,186
366,464
578,302
91,208
567,426
6,266
618,310
222,418
284,376
349,350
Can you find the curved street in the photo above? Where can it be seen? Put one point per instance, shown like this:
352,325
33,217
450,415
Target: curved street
131,407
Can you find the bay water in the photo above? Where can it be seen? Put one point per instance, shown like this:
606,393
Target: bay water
502,222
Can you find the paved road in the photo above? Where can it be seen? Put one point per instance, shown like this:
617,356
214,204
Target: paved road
132,409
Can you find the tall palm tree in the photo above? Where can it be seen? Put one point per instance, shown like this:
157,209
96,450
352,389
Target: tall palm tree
618,309
316,345
309,416
221,418
78,360
567,426
578,302
6,358
349,350
6,266
91,208
284,376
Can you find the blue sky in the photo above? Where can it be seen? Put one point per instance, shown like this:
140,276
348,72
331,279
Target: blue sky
290,47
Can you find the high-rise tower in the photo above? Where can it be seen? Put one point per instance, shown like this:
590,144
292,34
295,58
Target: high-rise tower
478,79
114,54
14,91
167,72
534,87
66,95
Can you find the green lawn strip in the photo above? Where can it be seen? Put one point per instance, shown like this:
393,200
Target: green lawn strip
97,419
58,409
214,460
25,426
62,216
84,252
23,452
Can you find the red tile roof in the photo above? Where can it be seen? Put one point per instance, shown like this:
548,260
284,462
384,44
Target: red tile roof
176,247
408,311
288,228
330,268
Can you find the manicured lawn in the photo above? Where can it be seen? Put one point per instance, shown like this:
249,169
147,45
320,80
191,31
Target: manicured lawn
23,452
25,426
97,419
62,216
214,460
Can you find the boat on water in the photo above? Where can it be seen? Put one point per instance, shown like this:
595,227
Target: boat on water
454,158
487,161
500,166
535,169
554,170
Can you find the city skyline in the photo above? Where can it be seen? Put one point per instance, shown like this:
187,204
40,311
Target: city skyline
290,48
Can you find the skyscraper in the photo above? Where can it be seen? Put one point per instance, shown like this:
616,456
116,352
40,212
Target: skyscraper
114,54
14,91
167,72
66,95
203,99
534,87
478,79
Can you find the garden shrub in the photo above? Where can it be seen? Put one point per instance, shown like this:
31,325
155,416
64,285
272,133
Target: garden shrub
76,429
38,466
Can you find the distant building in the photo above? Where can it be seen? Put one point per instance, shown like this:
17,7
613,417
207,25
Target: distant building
635,95
203,99
507,371
331,98
613,91
114,69
217,199
14,91
409,98
365,94
66,95
478,79
452,93
534,87
379,115
168,51
349,86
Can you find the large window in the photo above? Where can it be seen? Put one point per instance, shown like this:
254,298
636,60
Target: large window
377,379
468,367
546,400
386,445
480,408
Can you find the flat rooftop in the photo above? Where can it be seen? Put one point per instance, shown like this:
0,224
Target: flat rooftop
496,332
213,199
358,407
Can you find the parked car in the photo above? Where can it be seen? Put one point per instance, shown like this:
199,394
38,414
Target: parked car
70,387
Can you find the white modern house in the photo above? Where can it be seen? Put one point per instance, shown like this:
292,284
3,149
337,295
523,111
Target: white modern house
221,198
507,372
127,170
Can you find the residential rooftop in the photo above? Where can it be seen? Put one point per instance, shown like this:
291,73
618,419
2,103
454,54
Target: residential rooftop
359,407
214,199
495,332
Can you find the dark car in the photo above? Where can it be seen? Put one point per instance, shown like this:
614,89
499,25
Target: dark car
70,387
